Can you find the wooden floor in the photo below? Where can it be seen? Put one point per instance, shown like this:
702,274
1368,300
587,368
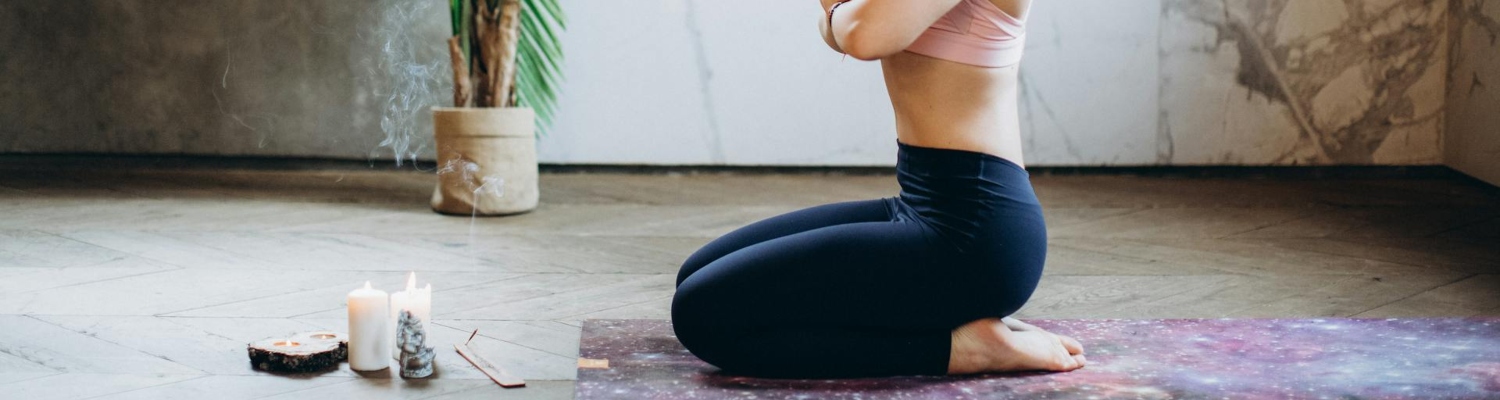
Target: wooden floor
146,282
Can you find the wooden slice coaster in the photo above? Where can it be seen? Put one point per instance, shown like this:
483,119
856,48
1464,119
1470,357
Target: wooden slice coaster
292,355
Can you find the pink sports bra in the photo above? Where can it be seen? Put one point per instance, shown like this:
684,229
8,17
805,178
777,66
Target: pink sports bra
975,32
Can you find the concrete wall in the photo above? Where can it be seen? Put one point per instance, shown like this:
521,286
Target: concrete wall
1473,134
1179,82
273,77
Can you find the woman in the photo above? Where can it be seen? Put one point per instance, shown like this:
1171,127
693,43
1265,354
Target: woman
919,284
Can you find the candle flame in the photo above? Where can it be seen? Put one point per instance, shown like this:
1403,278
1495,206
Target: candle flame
367,285
411,281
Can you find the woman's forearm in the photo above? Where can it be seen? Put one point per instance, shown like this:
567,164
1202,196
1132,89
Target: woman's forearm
827,33
871,29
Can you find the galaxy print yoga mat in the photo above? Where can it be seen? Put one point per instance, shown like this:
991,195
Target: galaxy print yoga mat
1181,358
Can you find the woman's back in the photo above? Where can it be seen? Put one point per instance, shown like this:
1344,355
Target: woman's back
950,104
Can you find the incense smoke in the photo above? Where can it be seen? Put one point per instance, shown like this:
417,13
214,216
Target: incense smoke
410,73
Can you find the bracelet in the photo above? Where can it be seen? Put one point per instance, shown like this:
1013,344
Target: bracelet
835,6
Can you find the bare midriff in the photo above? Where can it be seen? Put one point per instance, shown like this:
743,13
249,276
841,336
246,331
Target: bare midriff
949,105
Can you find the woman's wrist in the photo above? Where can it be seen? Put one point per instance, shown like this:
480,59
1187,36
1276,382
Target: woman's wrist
827,3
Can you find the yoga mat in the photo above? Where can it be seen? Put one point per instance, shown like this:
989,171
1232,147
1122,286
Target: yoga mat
1176,358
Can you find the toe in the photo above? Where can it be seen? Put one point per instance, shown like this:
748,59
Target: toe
1065,363
1072,345
1081,361
1017,325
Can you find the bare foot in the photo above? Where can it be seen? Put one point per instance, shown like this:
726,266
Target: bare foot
994,345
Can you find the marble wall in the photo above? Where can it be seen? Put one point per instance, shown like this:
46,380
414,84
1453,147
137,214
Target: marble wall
1148,82
1473,119
1302,81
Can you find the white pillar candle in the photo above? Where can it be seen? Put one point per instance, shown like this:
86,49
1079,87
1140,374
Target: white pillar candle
369,329
418,301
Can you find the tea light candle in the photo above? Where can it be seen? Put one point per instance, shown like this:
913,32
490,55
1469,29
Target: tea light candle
418,301
315,338
369,329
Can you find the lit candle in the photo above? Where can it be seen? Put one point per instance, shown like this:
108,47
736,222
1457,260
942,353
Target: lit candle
369,329
418,301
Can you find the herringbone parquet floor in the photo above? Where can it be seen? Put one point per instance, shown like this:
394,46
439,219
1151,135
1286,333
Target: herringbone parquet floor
141,281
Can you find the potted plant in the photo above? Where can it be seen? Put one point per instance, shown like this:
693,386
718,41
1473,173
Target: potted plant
507,64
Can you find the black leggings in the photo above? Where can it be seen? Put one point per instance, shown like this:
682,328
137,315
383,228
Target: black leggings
867,288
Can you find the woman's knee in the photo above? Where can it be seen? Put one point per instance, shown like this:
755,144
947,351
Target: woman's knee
710,252
694,262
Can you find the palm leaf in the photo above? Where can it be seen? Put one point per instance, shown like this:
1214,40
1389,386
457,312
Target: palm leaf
539,59
462,14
